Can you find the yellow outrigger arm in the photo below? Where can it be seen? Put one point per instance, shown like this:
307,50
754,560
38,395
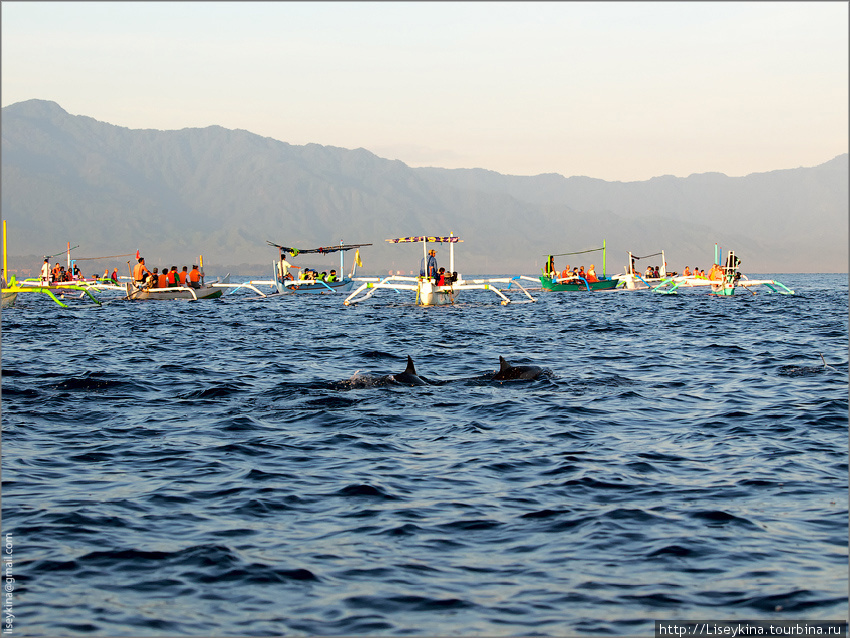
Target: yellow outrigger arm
15,287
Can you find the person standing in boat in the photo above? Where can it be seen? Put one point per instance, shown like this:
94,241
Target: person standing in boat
431,269
45,272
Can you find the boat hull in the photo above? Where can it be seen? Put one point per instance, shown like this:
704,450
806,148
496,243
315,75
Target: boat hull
204,292
301,287
602,284
430,295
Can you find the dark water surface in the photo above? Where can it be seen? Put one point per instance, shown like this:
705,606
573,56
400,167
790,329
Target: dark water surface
243,467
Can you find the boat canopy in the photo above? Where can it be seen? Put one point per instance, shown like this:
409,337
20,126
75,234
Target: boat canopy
434,240
322,249
580,252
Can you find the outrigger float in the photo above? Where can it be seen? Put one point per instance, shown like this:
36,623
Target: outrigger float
429,293
551,282
731,279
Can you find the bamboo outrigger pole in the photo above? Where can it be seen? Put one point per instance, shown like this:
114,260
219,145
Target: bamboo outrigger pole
5,266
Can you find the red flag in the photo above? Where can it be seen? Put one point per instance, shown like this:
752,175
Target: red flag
137,254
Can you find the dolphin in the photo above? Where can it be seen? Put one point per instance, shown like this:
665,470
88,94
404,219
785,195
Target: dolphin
409,376
507,372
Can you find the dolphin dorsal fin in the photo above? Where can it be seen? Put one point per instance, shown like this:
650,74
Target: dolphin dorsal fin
409,369
503,365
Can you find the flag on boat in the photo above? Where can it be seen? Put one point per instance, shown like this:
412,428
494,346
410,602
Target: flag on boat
137,254
434,240
357,258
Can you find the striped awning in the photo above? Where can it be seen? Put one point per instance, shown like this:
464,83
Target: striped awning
434,240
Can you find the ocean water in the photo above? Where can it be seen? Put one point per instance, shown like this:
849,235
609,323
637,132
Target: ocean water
246,467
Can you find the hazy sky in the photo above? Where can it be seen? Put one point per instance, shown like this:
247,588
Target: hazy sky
618,91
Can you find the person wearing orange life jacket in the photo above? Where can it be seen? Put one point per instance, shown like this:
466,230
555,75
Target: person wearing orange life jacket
171,276
155,278
162,280
184,275
195,277
591,274
716,273
176,274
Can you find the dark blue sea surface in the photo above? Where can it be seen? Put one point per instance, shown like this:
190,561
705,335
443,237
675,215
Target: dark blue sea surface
248,466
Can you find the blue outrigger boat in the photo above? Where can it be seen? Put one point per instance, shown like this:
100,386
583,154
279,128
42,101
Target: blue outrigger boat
286,284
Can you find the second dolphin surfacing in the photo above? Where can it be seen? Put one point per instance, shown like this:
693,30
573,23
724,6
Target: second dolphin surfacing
507,372
409,376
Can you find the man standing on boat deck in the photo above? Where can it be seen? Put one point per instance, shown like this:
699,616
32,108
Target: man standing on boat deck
45,272
431,270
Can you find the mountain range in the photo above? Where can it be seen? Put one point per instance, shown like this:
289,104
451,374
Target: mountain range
220,193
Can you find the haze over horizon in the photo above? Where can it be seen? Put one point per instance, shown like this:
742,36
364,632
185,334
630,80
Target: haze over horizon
615,91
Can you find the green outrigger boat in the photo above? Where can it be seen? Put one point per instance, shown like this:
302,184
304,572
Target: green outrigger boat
551,282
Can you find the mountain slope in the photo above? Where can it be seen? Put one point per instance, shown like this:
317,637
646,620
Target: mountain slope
223,193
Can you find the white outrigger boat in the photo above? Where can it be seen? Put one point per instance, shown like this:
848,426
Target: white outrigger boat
725,283
286,284
206,291
632,279
428,293
203,291
12,288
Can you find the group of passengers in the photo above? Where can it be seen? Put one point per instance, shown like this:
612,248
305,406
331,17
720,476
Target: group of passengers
311,276
307,275
168,278
58,273
575,274
429,269
697,273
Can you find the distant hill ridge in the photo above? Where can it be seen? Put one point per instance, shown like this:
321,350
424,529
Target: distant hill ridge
223,193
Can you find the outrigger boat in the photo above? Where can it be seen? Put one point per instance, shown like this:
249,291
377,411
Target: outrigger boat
316,286
11,288
552,282
633,280
135,293
429,293
203,291
725,285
